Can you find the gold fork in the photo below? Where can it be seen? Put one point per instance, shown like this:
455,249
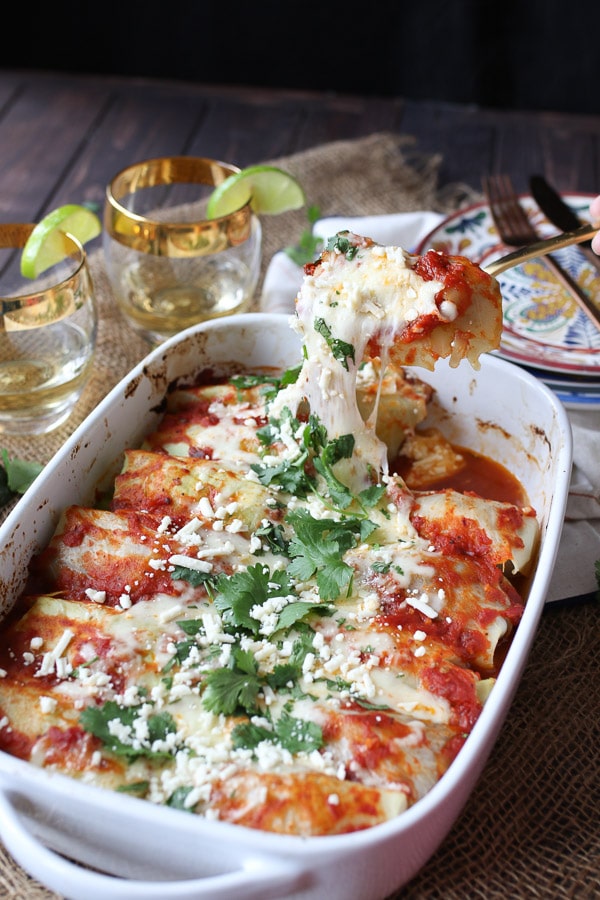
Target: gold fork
516,230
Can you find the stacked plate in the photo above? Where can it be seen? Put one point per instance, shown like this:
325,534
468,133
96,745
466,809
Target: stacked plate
544,329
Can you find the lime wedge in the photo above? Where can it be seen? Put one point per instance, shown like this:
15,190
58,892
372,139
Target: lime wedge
270,191
42,248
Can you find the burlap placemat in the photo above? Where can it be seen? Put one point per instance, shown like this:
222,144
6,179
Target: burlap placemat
531,827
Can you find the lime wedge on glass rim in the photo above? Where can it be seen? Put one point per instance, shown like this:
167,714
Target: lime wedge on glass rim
269,189
44,247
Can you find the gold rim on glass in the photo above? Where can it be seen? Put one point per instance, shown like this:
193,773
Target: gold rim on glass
175,239
49,301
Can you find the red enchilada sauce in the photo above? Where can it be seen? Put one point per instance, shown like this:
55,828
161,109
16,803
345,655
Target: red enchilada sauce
479,475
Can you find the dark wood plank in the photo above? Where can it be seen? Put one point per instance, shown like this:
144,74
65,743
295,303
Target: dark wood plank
249,129
457,133
9,87
65,137
136,124
42,133
62,137
347,117
571,151
473,141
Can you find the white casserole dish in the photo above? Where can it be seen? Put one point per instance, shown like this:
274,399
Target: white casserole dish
162,853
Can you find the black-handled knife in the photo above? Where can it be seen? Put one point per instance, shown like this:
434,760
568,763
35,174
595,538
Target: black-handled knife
559,213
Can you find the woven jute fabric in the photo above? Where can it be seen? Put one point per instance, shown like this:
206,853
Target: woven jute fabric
531,828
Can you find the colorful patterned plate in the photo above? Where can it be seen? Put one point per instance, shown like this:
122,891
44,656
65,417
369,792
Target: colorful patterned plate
543,326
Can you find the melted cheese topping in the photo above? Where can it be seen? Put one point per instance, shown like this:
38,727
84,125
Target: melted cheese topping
359,295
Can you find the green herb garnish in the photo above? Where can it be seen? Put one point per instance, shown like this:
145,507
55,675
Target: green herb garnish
341,350
16,476
308,245
341,243
96,721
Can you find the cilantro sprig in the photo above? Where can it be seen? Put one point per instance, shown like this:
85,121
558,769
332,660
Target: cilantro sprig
318,546
16,475
272,534
308,245
96,721
342,351
239,593
294,476
294,735
342,244
192,576
233,688
269,384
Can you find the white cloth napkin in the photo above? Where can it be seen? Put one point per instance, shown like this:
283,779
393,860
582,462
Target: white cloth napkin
574,573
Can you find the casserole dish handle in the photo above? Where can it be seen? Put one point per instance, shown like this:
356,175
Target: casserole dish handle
256,879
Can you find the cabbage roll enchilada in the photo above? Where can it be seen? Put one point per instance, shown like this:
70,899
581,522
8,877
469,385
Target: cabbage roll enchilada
265,623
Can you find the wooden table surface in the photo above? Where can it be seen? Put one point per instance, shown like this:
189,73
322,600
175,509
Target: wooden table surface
62,137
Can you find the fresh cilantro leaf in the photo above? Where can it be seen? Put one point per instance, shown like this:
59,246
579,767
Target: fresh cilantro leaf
178,798
297,734
371,496
244,661
303,644
245,382
182,652
226,691
384,567
284,675
314,436
96,721
139,788
294,735
273,536
308,245
238,593
267,434
317,547
16,476
332,452
289,475
191,626
339,685
290,376
341,447
341,243
298,610
269,385
247,736
192,576
341,495
341,350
